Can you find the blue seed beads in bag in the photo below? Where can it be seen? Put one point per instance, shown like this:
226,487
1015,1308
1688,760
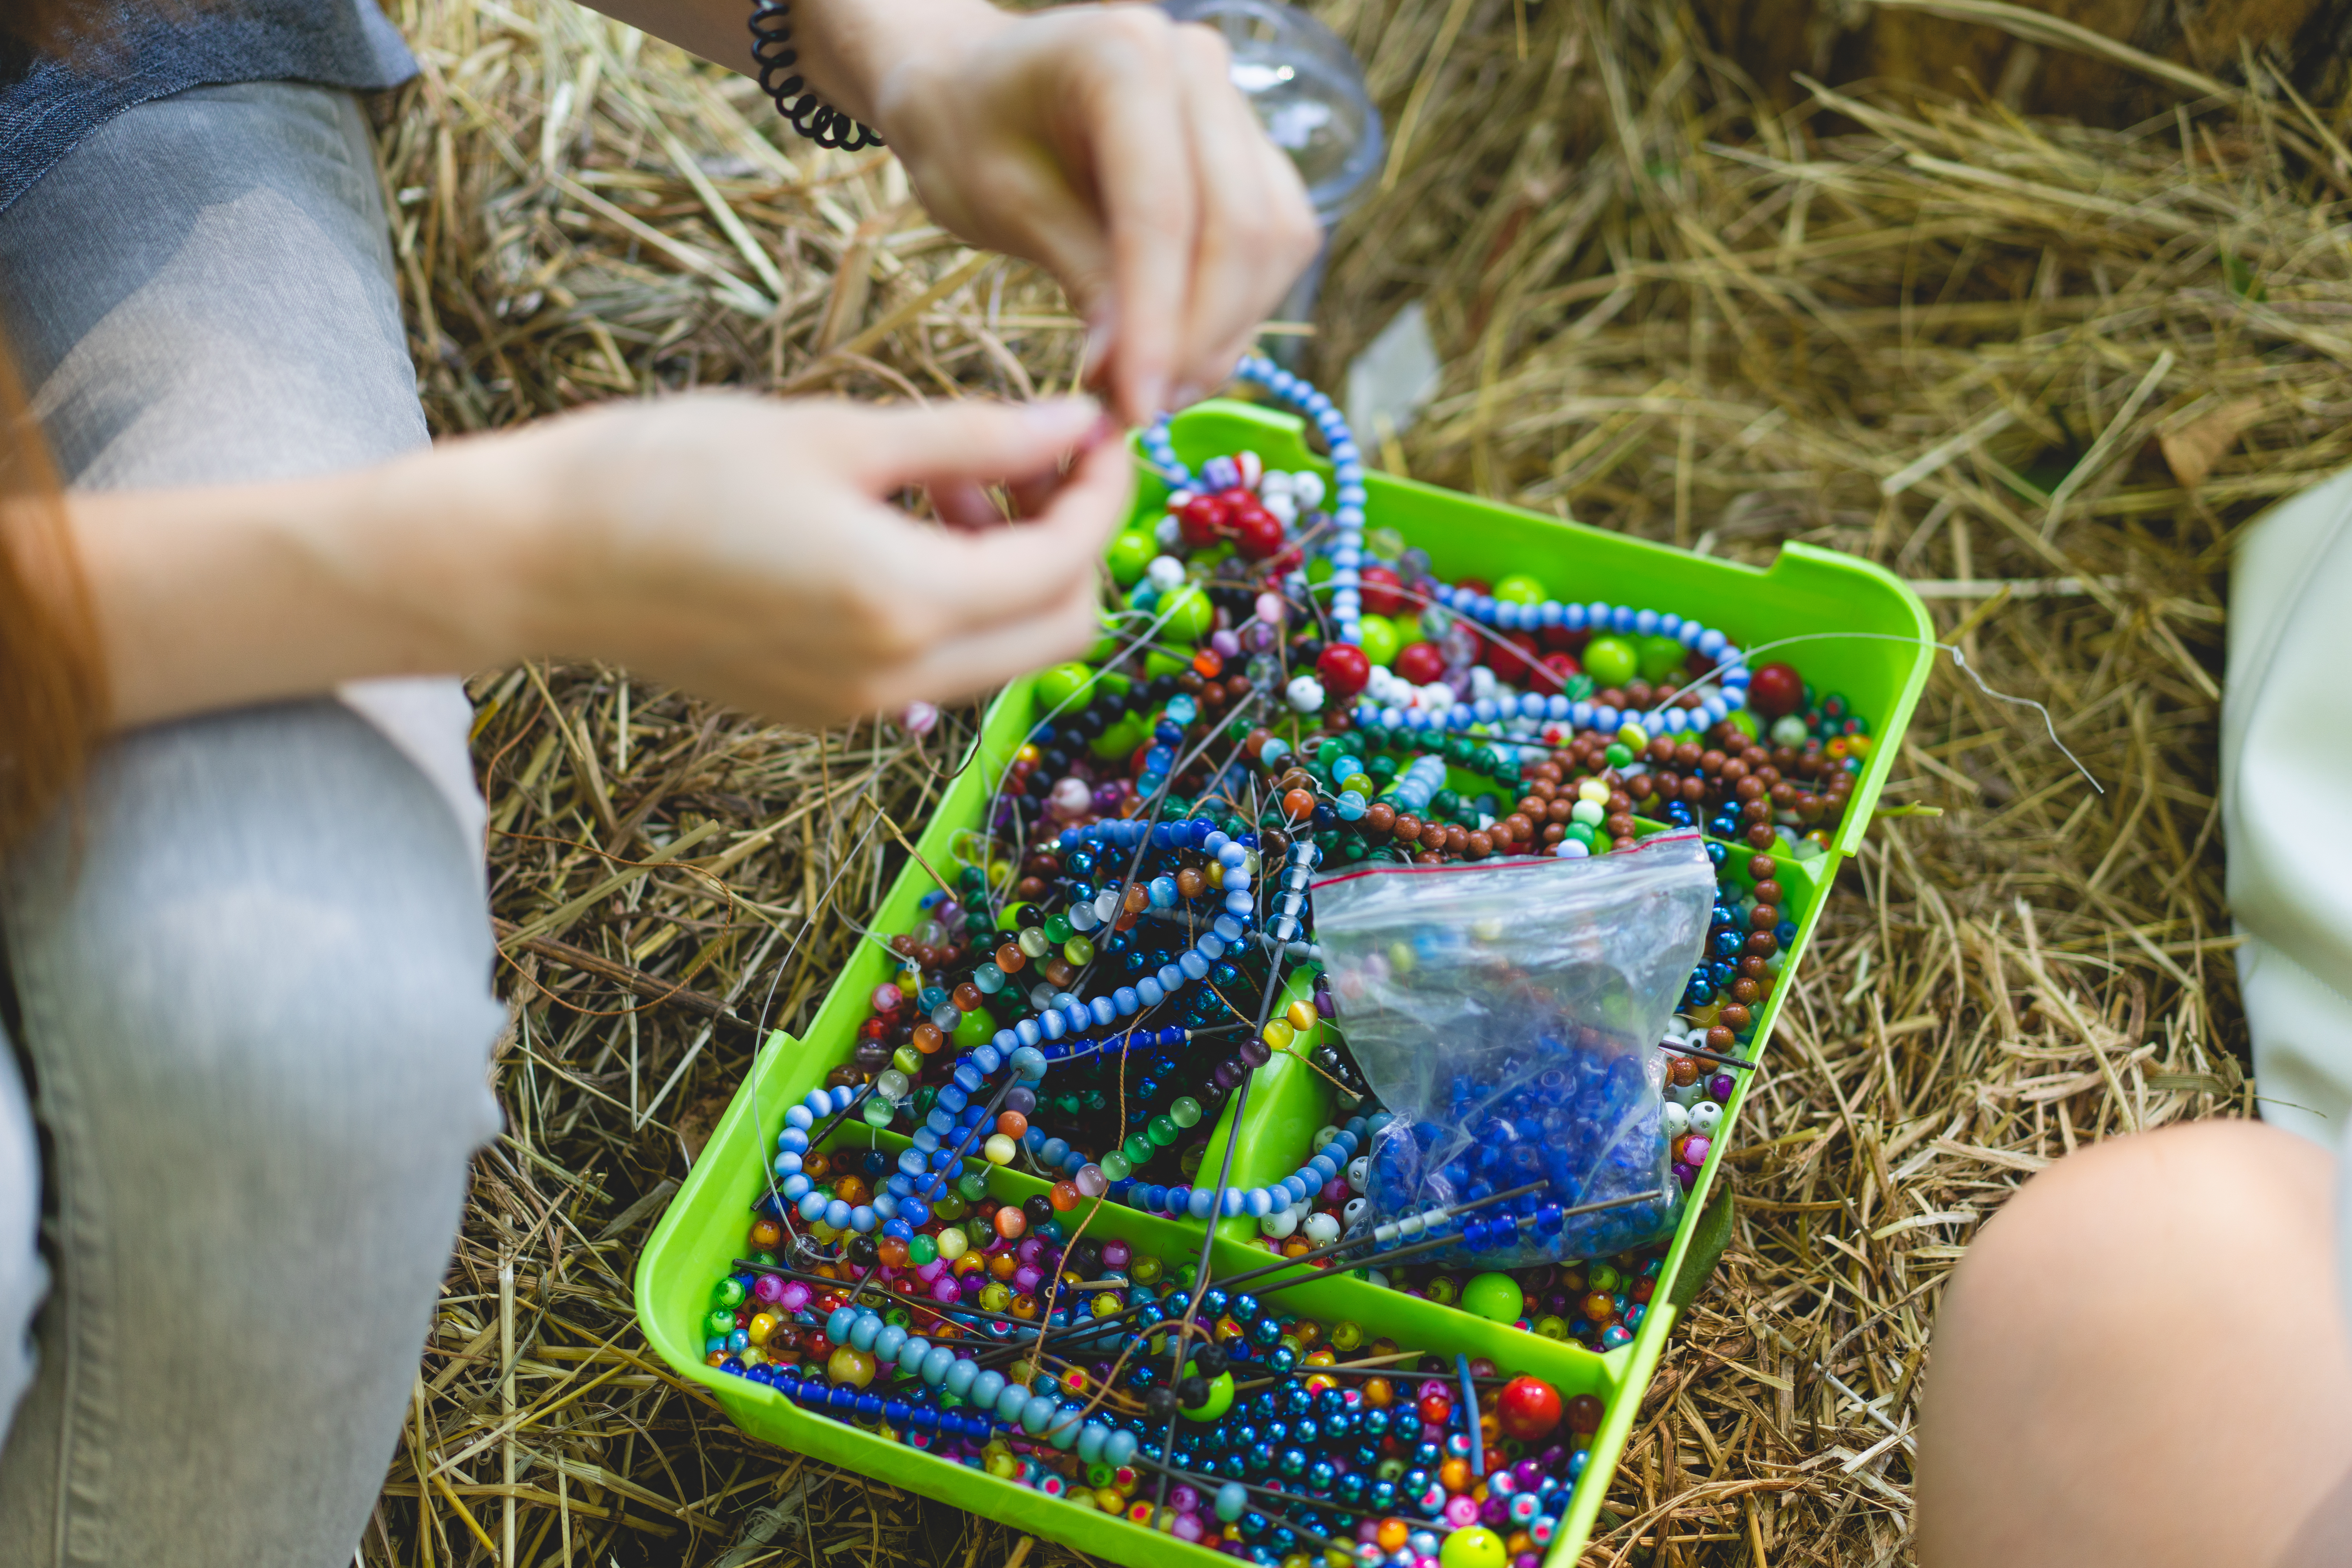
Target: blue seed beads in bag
1509,1016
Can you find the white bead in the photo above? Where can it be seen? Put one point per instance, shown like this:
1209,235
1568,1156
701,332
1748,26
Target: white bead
1705,1116
1321,1229
1674,1119
1165,573
1308,486
1305,694
1278,1225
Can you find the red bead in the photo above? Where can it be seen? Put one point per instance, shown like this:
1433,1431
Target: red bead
1559,667
1344,669
1203,521
1528,1408
1509,656
1420,662
1257,533
1776,690
1382,591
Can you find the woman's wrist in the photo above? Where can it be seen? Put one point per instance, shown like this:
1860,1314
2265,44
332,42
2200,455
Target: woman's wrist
860,55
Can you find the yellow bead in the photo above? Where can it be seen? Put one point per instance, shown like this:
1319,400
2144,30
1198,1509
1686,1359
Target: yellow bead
995,1296
953,1243
1108,1500
1594,791
1635,737
1003,1465
1278,1034
1301,1014
761,1325
998,1150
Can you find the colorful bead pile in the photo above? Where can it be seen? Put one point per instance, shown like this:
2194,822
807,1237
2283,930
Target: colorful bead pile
1281,1435
1598,1303
1129,938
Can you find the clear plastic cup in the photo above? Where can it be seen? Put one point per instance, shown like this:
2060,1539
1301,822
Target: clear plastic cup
1309,93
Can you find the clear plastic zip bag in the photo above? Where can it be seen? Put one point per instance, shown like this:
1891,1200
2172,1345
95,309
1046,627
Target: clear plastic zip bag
1508,1014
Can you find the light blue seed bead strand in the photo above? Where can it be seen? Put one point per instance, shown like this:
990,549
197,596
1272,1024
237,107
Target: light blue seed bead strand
1348,493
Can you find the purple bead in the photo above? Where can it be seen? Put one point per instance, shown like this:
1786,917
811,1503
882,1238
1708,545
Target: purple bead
1184,1500
1526,1473
1551,1459
1115,1253
1256,1053
1022,1101
946,1290
767,1288
1026,1279
1105,799
1495,1513
1030,1249
1227,1076
1719,1087
1687,1175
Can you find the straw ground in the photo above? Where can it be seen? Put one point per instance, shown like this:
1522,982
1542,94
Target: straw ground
2044,371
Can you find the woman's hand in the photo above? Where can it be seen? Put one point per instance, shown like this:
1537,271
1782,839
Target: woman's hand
746,549
1104,142
741,547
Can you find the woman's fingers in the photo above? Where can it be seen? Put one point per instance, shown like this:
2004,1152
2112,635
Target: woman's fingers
1255,231
1128,100
886,449
1064,627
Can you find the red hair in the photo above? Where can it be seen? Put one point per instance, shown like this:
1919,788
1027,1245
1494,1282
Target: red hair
52,678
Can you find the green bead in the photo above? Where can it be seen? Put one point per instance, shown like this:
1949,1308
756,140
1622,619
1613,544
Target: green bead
1057,931
1187,615
1161,1130
1115,1166
976,1029
877,1111
1220,1400
908,1060
1059,687
1078,950
721,1322
1661,657
1612,661
972,1185
1619,754
1495,1297
1377,637
728,1293
1138,1149
1519,588
1383,768
1185,1112
1128,555
1445,802
921,1249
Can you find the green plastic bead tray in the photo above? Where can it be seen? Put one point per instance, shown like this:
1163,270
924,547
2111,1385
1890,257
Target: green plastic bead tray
1804,589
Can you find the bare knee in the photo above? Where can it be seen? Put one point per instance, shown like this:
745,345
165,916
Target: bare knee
2127,1299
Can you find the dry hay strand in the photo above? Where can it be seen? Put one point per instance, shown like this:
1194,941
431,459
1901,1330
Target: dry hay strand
2042,371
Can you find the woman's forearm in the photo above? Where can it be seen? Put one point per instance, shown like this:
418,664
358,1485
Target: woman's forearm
213,597
845,47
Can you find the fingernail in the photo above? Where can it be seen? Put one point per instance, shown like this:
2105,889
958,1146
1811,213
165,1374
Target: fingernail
1098,350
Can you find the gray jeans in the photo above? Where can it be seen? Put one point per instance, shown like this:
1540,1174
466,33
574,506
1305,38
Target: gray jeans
253,990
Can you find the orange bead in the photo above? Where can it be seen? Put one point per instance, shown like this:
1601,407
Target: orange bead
851,1190
1004,1265
817,1167
1012,1124
927,1038
765,1235
1010,959
1454,1475
1011,1222
1378,1394
1190,883
1298,805
1208,664
1025,1308
891,1251
1392,1534
966,997
1137,900
1600,1307
1063,1196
